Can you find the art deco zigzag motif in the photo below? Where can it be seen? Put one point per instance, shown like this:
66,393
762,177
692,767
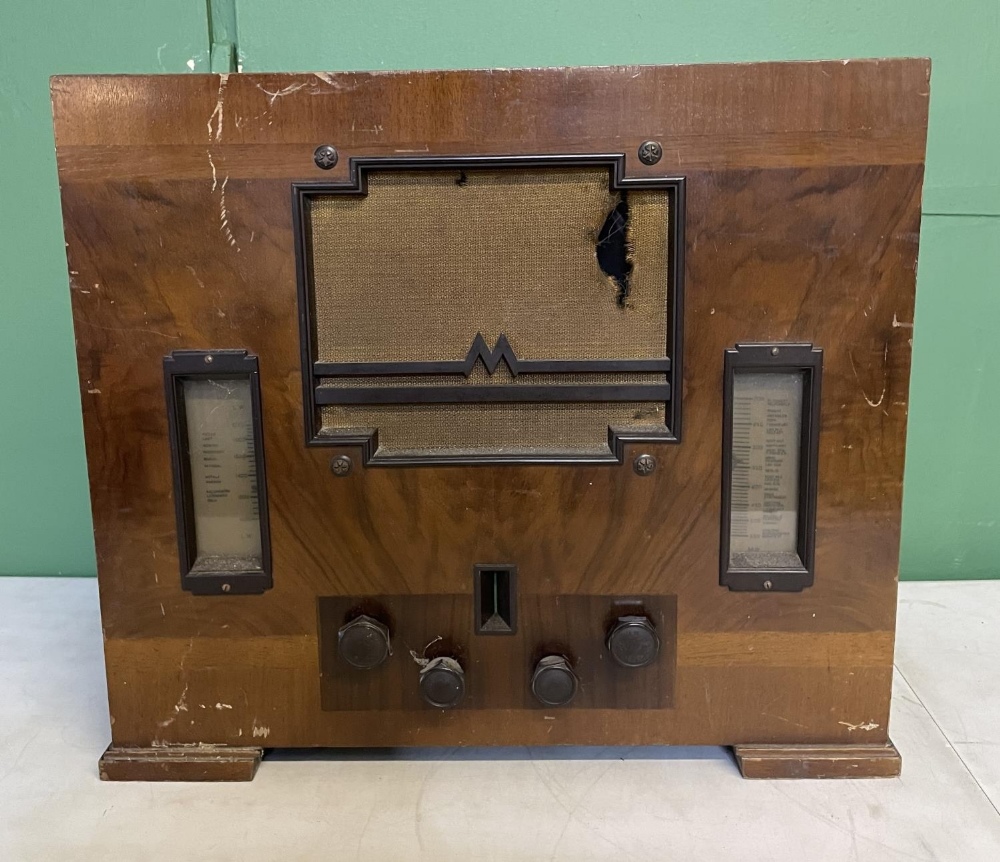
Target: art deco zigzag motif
491,358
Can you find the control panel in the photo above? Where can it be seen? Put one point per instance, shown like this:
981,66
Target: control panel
493,649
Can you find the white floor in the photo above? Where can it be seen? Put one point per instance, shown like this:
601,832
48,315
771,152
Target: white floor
512,804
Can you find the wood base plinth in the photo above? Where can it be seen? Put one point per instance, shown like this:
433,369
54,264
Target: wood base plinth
180,763
818,761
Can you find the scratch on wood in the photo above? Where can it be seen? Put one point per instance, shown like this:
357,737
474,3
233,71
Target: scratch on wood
897,323
128,329
780,718
216,134
330,81
284,91
865,725
179,707
885,383
223,212
224,216
376,129
193,272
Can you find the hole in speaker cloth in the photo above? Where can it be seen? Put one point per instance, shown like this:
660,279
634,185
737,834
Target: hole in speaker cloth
543,265
613,248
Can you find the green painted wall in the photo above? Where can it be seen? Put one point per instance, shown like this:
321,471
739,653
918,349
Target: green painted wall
45,525
951,523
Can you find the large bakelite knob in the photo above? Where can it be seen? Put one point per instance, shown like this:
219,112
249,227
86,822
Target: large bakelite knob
633,642
442,682
553,682
363,642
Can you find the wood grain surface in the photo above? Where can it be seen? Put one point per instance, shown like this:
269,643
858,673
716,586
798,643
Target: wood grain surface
803,215
180,763
818,761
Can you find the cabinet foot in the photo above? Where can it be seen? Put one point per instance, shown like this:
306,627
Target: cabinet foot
180,763
818,761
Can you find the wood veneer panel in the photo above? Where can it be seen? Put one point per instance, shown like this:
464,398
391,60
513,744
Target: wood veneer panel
802,222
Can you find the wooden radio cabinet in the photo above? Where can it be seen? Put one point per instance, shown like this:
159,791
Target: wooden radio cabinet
501,407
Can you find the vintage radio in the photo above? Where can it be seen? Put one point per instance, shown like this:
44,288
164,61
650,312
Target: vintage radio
511,407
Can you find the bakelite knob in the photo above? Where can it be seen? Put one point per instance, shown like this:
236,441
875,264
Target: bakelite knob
442,683
633,641
363,642
553,682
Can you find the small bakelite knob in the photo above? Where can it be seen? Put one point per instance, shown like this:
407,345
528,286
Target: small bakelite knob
442,683
363,642
553,683
633,641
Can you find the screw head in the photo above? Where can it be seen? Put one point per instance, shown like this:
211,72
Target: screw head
650,152
644,465
325,157
226,588
774,351
208,359
768,585
341,465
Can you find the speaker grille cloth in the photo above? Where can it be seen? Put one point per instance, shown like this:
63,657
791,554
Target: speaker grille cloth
415,268
494,429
